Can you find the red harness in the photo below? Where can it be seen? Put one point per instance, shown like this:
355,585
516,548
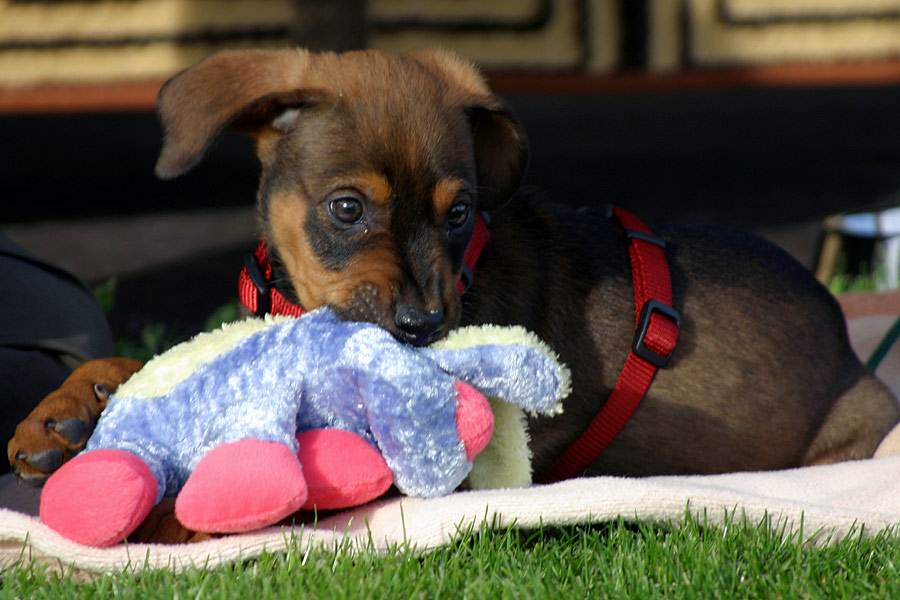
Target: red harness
654,341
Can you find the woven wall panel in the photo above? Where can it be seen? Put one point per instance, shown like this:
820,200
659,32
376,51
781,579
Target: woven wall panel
717,33
113,41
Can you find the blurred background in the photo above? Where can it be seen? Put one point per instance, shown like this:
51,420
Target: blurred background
769,115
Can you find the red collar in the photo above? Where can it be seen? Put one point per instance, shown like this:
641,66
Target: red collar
656,333
259,295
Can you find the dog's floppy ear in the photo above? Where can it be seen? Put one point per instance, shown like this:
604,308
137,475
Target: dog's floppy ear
501,146
244,90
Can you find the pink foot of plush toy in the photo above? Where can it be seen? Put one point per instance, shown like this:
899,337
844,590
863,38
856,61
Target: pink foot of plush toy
474,419
241,486
342,469
98,498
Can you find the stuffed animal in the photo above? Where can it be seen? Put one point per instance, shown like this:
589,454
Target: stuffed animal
250,423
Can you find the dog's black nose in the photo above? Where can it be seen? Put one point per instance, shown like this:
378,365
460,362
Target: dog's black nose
418,327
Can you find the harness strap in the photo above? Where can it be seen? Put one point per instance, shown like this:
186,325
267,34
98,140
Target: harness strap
255,287
257,293
480,238
656,333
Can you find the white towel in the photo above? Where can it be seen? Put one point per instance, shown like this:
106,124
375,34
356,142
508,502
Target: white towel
828,502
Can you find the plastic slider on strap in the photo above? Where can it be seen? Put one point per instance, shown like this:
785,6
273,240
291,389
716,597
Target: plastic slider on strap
465,279
634,234
259,281
639,345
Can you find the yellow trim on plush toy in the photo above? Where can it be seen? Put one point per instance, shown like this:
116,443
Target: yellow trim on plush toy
172,367
506,461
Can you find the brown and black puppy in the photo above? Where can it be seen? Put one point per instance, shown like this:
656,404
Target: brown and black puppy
373,168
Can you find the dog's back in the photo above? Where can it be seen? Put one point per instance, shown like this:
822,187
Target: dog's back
763,376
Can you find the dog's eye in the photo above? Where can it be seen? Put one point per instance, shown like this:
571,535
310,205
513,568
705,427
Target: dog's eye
346,209
458,215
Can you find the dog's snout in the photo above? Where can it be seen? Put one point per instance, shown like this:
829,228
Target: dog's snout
416,326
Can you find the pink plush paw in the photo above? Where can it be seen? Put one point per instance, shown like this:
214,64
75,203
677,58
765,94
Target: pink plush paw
241,486
342,469
98,497
474,419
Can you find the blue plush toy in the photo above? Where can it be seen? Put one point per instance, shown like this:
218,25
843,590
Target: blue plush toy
248,424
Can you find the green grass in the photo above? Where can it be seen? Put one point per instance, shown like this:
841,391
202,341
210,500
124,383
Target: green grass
843,282
865,280
614,560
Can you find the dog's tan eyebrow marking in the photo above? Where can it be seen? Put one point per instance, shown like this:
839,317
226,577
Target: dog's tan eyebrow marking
374,186
444,196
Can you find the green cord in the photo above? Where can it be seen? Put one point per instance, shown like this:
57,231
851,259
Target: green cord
884,346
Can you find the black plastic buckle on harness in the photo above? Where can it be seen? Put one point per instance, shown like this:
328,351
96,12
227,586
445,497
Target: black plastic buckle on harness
638,346
259,281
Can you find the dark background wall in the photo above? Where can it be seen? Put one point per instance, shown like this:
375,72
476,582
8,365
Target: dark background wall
743,157
753,157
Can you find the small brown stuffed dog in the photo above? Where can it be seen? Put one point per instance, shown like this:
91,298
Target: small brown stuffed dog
374,167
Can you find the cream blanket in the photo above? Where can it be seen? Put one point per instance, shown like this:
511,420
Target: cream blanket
822,503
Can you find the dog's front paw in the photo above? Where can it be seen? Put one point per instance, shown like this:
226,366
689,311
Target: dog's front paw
55,431
59,427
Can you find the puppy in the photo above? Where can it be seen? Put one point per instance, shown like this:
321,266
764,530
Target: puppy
375,167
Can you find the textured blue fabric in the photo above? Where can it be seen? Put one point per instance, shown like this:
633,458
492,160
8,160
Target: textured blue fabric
317,371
